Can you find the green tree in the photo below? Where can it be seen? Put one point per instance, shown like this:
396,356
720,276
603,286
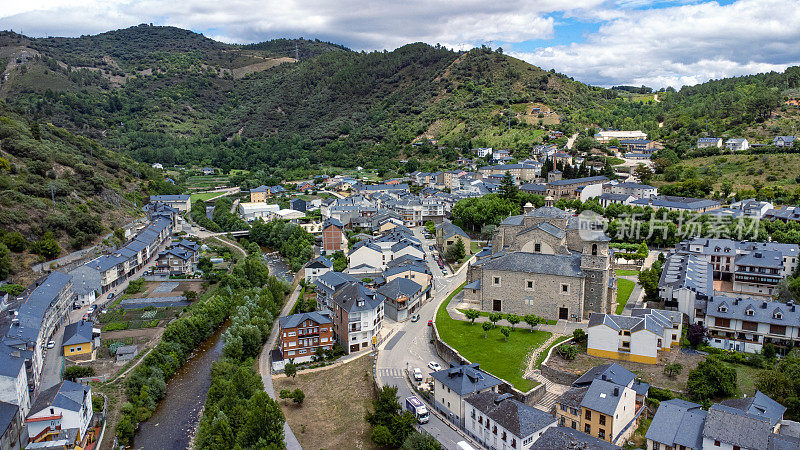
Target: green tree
673,369
15,242
486,327
472,315
421,441
513,319
456,251
505,331
46,246
578,336
290,369
5,261
712,379
532,320
508,187
298,396
431,227
495,317
567,351
263,420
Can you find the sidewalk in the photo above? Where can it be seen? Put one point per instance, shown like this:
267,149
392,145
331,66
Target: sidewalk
266,373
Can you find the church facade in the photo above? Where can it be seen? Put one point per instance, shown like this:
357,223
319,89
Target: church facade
545,262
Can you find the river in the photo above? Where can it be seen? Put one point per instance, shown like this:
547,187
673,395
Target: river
177,415
278,266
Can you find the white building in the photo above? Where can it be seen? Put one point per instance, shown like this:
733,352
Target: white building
251,211
452,386
65,406
635,189
14,379
638,337
737,144
604,137
499,421
317,268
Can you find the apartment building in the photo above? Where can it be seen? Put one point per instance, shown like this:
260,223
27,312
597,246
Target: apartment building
357,316
520,172
638,337
182,203
604,137
37,317
301,335
686,283
501,422
62,412
603,403
333,236
746,325
402,298
453,385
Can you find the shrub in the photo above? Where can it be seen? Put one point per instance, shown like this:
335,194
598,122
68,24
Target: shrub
72,373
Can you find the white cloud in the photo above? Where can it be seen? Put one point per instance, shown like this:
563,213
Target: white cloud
682,45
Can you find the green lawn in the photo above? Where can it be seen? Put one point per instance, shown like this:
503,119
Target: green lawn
624,289
626,272
496,356
746,377
476,246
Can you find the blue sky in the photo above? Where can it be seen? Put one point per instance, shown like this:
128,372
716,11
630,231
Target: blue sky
602,42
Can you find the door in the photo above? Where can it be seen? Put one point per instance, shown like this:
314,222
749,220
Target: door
496,305
563,313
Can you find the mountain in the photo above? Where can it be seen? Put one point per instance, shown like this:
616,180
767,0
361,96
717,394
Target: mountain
163,94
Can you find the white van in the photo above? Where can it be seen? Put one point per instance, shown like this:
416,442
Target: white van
417,374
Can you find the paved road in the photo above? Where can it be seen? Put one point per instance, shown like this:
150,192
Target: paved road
410,348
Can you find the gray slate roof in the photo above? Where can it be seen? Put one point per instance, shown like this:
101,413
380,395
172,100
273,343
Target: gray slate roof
32,311
66,394
565,438
11,361
736,427
758,404
465,379
518,418
612,372
294,320
600,397
78,333
7,413
399,287
678,422
537,263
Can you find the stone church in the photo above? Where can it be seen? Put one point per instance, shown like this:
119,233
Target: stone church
545,262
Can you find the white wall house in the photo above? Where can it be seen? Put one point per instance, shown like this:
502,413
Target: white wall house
499,421
64,406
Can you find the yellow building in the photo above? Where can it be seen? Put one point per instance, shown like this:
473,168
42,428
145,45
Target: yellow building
78,338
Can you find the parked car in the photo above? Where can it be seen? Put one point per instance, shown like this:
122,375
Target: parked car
110,295
417,374
415,318
86,317
434,366
430,323
444,272
91,309
51,344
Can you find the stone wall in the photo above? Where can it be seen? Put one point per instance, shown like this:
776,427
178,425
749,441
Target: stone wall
544,299
558,376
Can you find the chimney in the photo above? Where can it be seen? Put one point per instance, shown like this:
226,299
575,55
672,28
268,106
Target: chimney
604,376
616,392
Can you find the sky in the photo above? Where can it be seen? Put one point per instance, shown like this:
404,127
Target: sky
657,43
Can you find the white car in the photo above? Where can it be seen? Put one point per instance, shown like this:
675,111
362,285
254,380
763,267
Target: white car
51,344
434,366
92,309
417,374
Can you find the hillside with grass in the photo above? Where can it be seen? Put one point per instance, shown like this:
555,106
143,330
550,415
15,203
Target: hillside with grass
288,106
61,192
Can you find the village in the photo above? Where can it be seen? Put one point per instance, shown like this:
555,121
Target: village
529,334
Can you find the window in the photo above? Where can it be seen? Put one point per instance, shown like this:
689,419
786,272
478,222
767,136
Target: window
656,446
587,429
574,425
626,344
529,285
601,434
716,443
565,289
602,419
749,312
674,337
777,329
537,248
594,249
496,281
588,414
79,349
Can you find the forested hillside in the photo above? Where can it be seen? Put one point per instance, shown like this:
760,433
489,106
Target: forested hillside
168,95
60,192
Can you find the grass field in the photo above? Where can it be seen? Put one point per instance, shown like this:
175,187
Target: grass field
504,359
331,418
624,289
626,272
